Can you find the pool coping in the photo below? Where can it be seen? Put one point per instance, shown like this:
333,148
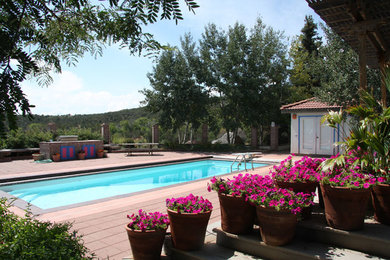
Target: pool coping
24,205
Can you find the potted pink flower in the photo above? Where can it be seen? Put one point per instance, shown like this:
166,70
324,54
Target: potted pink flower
301,176
277,211
237,215
146,233
189,217
346,191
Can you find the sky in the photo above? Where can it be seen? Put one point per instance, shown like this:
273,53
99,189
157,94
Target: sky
112,82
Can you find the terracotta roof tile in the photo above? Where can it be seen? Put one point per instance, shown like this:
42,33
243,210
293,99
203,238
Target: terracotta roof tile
308,105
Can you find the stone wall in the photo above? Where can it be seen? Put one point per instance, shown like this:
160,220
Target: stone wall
49,148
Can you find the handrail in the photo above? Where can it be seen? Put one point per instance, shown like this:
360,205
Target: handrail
243,159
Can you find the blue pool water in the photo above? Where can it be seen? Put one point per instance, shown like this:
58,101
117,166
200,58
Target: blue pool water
66,191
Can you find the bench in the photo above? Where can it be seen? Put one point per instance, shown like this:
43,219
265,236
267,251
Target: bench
131,148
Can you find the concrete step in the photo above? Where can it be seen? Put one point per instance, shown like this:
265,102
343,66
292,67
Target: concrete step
210,250
315,240
297,249
373,239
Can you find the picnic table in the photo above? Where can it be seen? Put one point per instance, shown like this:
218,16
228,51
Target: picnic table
131,148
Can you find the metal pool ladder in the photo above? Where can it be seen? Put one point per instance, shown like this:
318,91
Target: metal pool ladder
243,158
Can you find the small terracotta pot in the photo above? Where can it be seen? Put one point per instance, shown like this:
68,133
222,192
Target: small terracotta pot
188,230
381,202
56,157
99,154
345,208
237,215
81,156
306,187
146,245
277,228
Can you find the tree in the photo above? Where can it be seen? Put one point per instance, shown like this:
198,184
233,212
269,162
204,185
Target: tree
36,35
247,73
175,94
337,70
304,52
268,77
310,39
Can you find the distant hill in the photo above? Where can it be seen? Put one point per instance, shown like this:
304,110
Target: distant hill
92,121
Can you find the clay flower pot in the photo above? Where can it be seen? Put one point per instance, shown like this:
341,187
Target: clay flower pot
277,228
81,156
100,153
237,215
146,245
56,157
345,208
381,202
188,230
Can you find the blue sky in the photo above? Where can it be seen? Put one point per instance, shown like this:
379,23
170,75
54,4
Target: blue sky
112,82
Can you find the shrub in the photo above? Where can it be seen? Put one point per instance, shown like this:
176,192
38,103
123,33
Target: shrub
28,238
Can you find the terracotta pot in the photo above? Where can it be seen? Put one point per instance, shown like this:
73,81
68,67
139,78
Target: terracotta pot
146,245
306,187
99,154
381,202
81,156
345,208
56,157
277,228
188,230
37,156
237,215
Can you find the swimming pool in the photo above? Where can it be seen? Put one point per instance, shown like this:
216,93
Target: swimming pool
49,194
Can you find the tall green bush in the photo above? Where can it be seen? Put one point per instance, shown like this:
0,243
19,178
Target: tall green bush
27,238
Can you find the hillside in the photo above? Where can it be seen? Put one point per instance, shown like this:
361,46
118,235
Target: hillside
92,121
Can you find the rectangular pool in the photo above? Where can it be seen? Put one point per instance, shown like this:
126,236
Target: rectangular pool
54,193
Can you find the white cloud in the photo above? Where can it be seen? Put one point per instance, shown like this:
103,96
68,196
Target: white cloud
68,95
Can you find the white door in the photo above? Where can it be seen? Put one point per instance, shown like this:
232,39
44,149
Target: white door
315,138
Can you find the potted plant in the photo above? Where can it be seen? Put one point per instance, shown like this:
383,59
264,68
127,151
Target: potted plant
81,155
346,191
237,215
380,194
37,156
146,233
300,176
277,211
100,153
188,217
370,137
56,157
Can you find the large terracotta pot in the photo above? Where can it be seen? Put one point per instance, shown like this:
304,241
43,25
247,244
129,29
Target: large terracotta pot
381,203
306,187
146,245
237,215
277,228
188,230
345,208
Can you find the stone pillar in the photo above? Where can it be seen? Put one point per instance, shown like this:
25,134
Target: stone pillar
155,134
205,133
274,136
105,130
254,137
